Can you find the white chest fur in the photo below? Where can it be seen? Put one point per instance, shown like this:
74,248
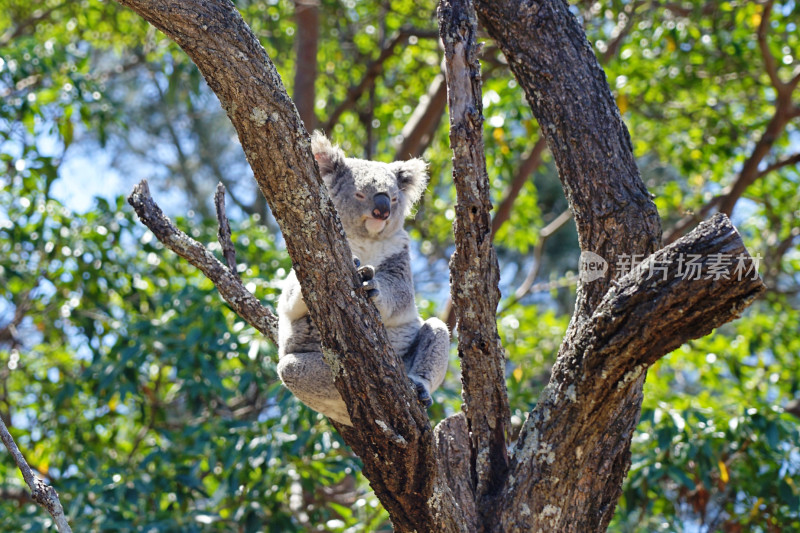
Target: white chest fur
375,251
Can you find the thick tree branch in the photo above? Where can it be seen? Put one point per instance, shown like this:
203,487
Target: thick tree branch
681,292
474,273
44,495
579,119
391,431
228,284
454,457
615,217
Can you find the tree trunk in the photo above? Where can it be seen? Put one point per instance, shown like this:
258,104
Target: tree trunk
568,465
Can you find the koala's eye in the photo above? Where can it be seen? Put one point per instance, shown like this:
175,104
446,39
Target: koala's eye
360,196
394,199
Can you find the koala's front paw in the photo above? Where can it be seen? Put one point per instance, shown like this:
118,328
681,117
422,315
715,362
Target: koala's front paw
368,282
423,395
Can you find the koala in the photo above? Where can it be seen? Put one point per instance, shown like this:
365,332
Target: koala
372,200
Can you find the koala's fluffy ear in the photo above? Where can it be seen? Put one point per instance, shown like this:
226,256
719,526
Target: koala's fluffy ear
328,156
412,178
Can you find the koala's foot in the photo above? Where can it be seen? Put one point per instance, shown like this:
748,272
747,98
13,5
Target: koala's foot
310,380
367,274
427,359
423,394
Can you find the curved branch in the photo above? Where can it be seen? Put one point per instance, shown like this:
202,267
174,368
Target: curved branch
680,293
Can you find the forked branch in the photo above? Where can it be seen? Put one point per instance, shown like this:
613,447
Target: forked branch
226,281
391,431
680,293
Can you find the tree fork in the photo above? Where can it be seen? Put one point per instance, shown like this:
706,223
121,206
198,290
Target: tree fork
573,451
391,432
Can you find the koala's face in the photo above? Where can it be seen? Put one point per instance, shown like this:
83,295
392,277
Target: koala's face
372,198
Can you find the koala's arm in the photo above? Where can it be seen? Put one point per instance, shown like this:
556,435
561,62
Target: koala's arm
290,303
395,289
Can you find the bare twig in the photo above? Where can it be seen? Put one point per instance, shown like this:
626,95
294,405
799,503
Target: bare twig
43,494
228,284
749,173
224,233
791,160
8,333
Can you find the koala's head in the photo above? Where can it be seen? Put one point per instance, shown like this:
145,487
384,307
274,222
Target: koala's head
372,198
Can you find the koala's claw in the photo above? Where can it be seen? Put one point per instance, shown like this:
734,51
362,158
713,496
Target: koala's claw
367,272
423,395
368,283
356,261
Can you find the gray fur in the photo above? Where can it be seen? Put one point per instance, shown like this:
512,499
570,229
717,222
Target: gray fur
382,248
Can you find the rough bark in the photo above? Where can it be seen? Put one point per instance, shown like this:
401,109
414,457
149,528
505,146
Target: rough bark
474,273
454,458
391,431
226,281
548,53
573,453
557,483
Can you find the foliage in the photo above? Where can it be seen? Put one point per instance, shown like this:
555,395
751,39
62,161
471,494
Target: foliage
149,404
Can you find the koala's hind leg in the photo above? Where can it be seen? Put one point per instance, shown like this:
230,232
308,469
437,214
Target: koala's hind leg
310,379
426,361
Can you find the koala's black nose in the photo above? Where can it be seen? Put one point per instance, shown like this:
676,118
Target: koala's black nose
383,206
